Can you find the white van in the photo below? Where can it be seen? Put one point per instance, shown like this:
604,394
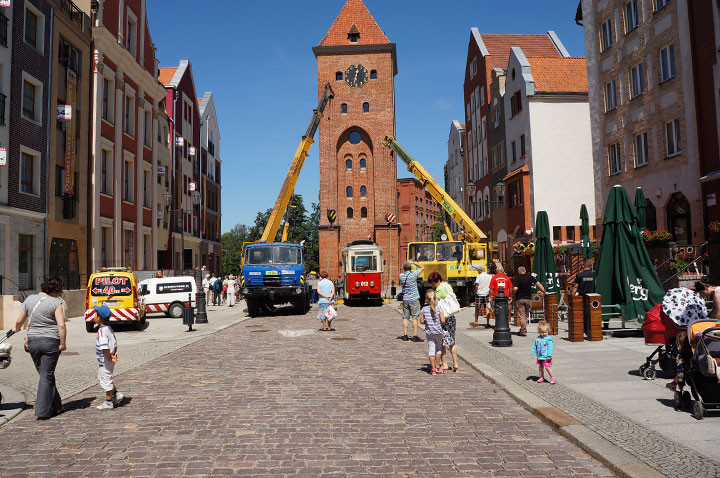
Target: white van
169,294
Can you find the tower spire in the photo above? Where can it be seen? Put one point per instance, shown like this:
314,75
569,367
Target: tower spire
354,25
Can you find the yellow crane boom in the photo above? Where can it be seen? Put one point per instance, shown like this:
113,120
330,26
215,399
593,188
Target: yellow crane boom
288,187
448,232
472,232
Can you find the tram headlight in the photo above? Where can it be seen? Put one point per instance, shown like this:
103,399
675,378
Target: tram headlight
357,285
372,283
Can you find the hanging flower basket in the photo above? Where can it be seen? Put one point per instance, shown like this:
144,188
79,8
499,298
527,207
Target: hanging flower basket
656,238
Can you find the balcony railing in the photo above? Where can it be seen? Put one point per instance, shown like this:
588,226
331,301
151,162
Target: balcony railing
72,11
2,109
3,30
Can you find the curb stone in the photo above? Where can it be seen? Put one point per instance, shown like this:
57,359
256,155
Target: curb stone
13,402
615,458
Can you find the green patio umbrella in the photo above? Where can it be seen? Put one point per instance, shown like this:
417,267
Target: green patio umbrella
544,268
585,232
624,273
640,205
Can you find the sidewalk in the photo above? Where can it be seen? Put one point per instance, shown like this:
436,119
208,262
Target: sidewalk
599,386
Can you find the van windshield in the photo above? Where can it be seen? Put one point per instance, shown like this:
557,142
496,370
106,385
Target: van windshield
111,285
264,255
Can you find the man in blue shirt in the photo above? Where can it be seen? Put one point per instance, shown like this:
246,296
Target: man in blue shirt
411,298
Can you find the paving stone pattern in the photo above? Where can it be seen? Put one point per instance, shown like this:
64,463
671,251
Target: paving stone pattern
275,396
667,456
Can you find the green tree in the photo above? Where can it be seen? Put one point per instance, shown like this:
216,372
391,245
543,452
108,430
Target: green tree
232,243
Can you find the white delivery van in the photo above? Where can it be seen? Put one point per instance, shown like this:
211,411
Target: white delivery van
169,294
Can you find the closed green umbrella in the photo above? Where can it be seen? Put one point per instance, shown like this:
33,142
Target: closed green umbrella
544,268
585,232
640,205
624,273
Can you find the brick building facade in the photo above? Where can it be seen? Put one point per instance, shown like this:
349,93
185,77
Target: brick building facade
210,190
357,174
418,213
23,219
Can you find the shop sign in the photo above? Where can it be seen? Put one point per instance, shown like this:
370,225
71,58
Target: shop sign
161,170
3,157
191,187
64,112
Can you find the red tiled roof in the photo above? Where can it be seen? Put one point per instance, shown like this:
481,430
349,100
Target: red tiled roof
498,46
559,74
354,13
166,75
199,101
521,170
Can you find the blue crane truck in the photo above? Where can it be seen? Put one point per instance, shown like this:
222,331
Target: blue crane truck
274,274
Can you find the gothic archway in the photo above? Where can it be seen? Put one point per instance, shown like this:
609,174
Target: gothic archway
678,218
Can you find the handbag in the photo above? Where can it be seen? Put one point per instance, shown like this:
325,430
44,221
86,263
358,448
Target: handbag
330,313
401,294
450,304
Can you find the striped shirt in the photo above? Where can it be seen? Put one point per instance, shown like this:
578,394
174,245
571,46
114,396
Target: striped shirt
408,282
432,322
105,340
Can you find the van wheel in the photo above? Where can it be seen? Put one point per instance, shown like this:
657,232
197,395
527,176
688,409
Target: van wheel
139,325
90,326
175,310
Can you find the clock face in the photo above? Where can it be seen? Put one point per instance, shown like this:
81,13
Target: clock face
356,76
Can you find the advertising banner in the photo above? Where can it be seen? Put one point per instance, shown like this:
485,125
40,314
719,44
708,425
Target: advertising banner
70,146
3,156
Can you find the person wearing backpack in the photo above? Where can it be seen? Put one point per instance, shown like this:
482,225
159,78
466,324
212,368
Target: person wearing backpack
217,289
442,291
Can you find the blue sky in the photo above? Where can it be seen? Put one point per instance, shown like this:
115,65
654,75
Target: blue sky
256,58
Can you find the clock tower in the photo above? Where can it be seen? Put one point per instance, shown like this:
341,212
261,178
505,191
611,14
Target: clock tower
358,180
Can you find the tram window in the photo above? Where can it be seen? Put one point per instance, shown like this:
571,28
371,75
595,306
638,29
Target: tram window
364,263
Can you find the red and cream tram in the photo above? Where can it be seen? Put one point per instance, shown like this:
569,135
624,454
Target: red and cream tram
362,267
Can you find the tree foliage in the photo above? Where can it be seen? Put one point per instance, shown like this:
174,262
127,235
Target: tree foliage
302,227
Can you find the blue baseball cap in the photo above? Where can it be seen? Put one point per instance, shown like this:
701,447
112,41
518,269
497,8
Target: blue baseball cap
103,311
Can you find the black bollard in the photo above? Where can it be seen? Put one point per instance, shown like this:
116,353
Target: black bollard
189,315
201,307
501,336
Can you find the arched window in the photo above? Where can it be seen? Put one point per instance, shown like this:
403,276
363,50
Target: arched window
678,215
363,191
349,191
363,212
651,215
338,76
373,74
343,108
366,107
362,164
348,164
349,213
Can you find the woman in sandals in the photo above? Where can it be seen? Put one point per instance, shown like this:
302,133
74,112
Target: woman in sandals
442,289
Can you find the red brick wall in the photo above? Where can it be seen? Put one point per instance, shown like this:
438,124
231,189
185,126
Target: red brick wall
380,174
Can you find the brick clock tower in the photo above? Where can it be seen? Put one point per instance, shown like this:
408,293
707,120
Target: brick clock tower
357,174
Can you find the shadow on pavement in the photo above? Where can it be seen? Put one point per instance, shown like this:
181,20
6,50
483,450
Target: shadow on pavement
12,406
79,404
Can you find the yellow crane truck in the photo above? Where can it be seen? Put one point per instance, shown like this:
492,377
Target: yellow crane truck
456,260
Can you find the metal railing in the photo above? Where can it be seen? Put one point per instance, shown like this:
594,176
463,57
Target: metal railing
72,11
698,257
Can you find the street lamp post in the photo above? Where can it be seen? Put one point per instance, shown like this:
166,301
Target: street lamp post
201,306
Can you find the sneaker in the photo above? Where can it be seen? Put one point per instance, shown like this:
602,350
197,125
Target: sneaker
106,406
553,381
118,398
541,380
405,338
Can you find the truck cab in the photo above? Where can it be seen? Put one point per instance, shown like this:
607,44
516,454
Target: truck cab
274,274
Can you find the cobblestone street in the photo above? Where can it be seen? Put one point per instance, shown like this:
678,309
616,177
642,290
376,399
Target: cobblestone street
275,396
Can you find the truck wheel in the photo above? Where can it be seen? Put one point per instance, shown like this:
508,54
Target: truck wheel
175,310
253,306
300,302
90,326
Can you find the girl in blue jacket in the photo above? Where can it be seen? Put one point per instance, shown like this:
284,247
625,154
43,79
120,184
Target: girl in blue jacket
543,349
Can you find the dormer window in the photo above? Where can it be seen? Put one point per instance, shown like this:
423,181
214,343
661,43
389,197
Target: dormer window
353,34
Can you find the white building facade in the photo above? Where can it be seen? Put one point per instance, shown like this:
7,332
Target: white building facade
455,166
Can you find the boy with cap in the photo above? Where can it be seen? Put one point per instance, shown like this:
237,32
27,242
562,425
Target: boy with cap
106,352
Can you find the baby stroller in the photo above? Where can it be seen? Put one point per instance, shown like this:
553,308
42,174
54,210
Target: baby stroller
660,332
5,350
702,369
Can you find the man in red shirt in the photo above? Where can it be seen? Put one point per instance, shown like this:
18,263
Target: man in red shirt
500,280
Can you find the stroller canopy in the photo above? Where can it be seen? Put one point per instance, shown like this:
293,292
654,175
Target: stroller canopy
684,306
